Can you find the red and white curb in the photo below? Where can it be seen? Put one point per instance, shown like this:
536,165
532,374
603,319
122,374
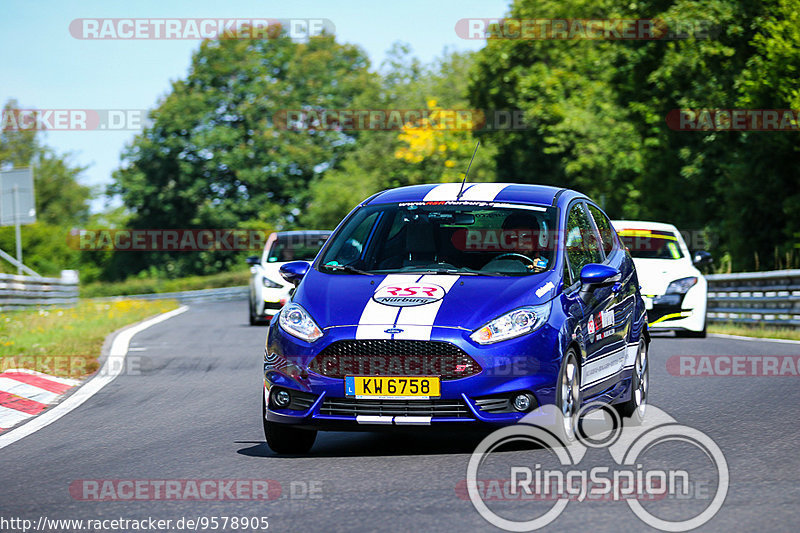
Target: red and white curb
26,393
112,368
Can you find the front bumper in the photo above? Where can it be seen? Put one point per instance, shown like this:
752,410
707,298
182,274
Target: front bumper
526,365
670,312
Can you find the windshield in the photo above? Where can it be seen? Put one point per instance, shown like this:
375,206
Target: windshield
486,239
651,244
295,247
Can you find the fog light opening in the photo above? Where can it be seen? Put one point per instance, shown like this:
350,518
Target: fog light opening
281,398
522,402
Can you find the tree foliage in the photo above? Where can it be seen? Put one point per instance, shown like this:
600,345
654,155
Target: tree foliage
596,111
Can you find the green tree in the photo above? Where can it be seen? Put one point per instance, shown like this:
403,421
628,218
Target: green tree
412,155
218,153
596,114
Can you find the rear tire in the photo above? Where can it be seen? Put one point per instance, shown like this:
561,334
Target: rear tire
286,440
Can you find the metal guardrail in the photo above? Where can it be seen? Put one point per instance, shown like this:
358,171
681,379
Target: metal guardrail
202,295
19,292
755,297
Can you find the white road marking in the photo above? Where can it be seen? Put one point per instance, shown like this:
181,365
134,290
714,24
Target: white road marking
743,338
112,367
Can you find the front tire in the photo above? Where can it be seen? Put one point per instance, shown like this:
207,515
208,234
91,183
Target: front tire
689,334
286,440
569,395
636,406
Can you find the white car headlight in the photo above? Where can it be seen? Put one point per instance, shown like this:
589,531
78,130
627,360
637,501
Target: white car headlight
297,322
268,283
513,324
681,286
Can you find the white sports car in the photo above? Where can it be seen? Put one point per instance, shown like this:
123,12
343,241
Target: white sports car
674,290
268,290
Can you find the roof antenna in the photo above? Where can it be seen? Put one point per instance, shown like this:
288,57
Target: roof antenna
461,190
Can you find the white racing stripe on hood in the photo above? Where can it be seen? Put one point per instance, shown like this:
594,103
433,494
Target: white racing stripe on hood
483,192
417,322
375,317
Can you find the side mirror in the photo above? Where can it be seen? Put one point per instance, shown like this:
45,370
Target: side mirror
253,260
293,272
702,258
595,275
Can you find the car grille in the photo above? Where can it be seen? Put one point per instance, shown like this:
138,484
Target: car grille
388,357
431,408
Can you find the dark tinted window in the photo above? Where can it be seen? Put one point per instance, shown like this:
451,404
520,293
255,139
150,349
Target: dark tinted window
607,233
416,237
582,243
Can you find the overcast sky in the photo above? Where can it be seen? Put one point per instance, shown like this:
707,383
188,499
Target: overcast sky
45,67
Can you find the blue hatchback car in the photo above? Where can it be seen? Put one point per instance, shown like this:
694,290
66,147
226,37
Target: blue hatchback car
457,305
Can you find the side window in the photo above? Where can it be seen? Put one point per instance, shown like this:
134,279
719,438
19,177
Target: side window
607,233
349,251
582,244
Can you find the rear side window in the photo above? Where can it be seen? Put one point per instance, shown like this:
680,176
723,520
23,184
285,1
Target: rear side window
607,233
582,243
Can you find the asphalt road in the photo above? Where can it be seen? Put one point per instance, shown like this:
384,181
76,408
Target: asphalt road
192,412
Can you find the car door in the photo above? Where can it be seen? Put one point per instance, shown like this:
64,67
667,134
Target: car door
622,294
583,246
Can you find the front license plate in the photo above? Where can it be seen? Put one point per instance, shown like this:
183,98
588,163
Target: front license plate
392,387
648,302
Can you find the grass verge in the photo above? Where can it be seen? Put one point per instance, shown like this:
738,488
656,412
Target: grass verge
133,286
67,342
760,331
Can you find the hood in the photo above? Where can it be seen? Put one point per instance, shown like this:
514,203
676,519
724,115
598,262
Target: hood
453,301
655,275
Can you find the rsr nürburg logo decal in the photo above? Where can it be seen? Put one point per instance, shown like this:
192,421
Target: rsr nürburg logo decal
408,294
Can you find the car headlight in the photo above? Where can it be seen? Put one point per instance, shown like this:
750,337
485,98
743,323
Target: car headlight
268,283
513,324
297,322
680,286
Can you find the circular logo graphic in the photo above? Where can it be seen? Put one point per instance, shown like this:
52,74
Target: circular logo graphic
408,294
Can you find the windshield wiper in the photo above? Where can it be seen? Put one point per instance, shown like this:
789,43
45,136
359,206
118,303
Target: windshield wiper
448,271
347,268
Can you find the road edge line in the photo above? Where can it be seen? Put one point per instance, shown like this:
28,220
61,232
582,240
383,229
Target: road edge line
743,338
112,367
